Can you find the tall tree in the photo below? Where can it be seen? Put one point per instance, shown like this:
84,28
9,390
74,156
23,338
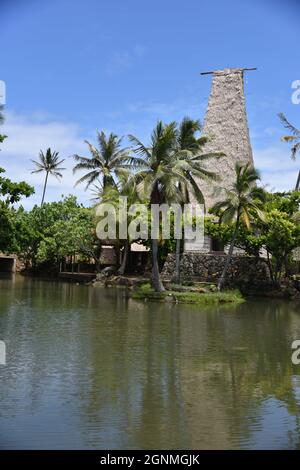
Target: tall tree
2,137
10,193
171,165
293,137
189,151
48,163
126,187
157,180
1,114
242,200
105,161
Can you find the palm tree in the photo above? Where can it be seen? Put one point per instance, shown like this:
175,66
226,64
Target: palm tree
1,114
189,150
50,164
171,165
294,137
241,201
157,180
2,137
125,187
105,161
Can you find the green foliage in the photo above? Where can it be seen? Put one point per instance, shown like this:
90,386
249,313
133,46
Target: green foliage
65,229
2,138
49,233
12,192
6,227
106,161
220,231
294,135
239,206
146,292
287,202
173,161
278,234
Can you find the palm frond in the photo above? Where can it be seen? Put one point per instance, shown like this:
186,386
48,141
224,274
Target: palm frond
288,125
89,178
295,149
140,148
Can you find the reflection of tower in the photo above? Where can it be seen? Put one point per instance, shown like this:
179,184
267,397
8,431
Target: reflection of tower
226,126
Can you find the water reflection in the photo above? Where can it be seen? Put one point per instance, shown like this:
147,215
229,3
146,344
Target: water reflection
90,368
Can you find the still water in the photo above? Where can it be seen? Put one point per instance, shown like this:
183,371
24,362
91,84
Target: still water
89,368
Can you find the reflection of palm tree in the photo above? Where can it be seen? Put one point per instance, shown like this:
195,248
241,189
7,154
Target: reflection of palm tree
50,164
295,138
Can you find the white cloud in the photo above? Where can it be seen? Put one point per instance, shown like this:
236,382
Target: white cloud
26,137
122,60
177,109
276,166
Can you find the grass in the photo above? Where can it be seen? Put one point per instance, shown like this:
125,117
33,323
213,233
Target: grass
184,296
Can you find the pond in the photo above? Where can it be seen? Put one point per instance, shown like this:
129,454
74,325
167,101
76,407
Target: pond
88,368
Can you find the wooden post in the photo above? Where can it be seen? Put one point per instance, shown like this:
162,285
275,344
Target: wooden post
237,70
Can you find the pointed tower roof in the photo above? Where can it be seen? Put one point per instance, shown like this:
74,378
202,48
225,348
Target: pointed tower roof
227,127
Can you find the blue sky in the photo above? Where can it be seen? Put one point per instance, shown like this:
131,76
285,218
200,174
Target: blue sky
73,67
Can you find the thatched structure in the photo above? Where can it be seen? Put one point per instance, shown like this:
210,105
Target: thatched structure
227,127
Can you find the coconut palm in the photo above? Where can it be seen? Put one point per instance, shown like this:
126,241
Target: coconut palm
2,137
157,180
125,187
294,137
48,163
171,165
241,201
1,114
190,151
105,162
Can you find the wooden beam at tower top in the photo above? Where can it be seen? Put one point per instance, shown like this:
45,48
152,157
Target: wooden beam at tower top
234,71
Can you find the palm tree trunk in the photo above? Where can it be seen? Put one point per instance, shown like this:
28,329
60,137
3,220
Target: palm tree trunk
44,191
123,266
229,255
156,280
298,182
177,261
270,267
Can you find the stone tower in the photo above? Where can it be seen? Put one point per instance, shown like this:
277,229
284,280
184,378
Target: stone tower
227,127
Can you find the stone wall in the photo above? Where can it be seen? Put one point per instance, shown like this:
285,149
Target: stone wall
208,267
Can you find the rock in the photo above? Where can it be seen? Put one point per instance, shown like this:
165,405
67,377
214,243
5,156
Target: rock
207,267
201,290
105,273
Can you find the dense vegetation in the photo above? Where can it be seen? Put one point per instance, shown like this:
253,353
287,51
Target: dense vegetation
167,170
